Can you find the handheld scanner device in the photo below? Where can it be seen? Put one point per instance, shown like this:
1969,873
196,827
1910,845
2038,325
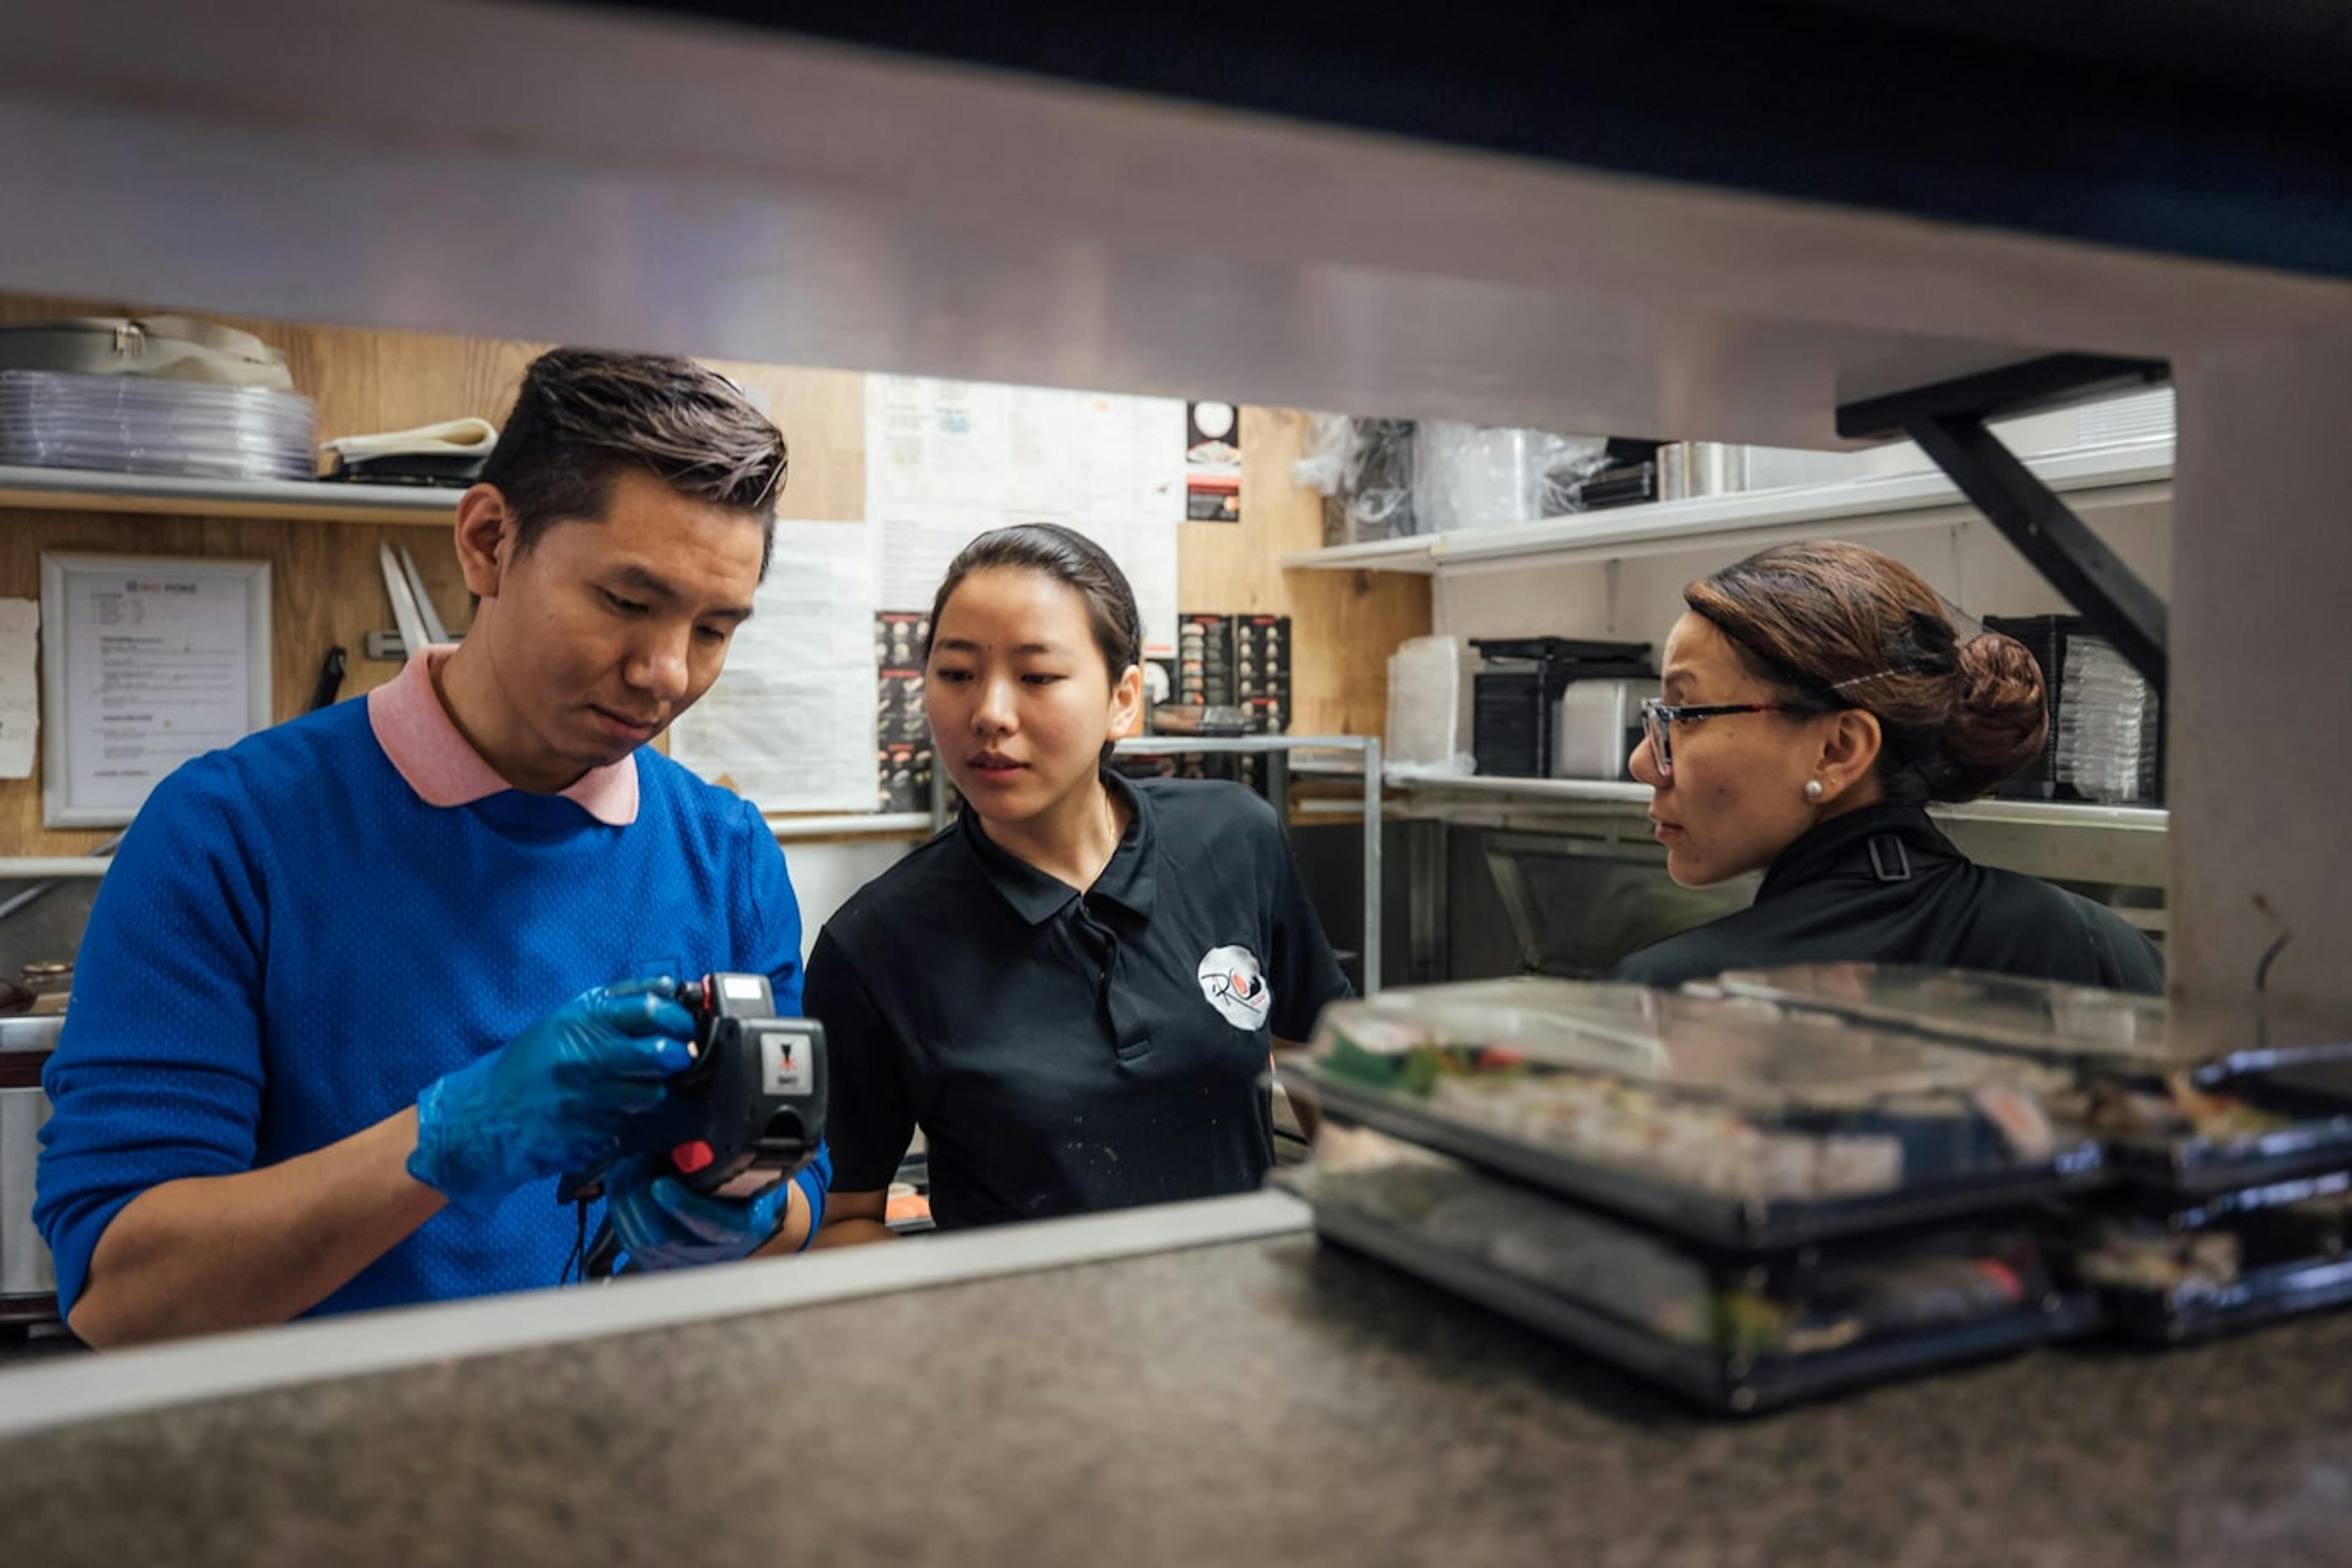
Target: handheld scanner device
749,1111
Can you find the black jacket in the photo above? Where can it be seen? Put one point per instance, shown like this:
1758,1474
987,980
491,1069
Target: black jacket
1883,885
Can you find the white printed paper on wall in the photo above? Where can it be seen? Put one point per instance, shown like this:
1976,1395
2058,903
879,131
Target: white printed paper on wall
790,723
948,460
20,687
150,663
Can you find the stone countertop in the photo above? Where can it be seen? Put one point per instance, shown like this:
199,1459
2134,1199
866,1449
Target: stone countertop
1247,1402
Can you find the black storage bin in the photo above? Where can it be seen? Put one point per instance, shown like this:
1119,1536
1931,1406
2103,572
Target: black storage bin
1515,702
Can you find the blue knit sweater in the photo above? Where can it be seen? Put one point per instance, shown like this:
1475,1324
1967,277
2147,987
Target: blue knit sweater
290,944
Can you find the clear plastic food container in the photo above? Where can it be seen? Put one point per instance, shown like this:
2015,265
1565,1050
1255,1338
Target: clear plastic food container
1727,1332
1736,1124
2173,1117
2041,1018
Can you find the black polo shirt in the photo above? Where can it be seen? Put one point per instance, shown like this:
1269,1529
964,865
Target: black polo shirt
1883,885
1062,1052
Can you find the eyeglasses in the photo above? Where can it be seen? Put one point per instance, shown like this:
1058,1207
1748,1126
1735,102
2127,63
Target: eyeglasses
1658,720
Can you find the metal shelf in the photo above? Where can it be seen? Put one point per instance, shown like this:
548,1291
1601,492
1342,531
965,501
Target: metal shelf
1368,747
293,501
50,868
850,825
1239,746
2137,471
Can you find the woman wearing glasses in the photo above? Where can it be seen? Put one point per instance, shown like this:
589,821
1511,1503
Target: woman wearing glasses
1815,700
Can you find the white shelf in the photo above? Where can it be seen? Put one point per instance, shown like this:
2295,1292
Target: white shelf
1240,745
787,829
51,867
1624,791
1621,791
2141,469
297,501
850,825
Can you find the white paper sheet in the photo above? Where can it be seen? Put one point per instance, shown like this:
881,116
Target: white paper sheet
911,543
946,461
790,723
159,664
20,686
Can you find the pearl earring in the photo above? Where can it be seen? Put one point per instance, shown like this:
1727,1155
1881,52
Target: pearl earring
1812,789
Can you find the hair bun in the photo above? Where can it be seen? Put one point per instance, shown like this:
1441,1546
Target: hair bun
2001,715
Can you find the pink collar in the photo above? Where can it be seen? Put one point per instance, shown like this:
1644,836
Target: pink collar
442,766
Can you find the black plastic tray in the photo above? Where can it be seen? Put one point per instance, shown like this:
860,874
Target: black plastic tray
1730,1223
2202,1167
2262,1296
1723,1384
2297,1079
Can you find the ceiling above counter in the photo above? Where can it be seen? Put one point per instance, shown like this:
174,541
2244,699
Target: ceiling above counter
642,182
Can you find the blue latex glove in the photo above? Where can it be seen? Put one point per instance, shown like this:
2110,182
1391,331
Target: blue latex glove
662,1223
562,1096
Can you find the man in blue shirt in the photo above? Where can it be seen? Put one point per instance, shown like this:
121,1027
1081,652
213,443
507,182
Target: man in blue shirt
319,1055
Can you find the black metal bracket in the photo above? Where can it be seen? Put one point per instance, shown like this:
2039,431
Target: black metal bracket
1948,420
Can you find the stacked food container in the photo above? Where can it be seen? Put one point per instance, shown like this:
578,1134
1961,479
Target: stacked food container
2233,1170
1748,1203
144,424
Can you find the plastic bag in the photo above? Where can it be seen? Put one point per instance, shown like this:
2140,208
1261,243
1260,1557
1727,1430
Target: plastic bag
1322,463
1379,494
1470,476
1371,496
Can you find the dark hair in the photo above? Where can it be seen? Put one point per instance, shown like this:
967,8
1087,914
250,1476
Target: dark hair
1069,557
1839,625
584,415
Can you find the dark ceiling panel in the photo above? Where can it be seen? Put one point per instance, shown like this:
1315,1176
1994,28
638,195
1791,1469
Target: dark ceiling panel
2203,129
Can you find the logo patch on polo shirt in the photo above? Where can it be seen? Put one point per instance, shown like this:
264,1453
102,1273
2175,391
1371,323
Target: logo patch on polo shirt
1234,983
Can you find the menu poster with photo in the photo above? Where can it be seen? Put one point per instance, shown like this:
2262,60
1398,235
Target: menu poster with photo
147,662
1212,463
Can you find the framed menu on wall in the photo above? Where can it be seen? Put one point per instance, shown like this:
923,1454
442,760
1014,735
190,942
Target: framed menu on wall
146,662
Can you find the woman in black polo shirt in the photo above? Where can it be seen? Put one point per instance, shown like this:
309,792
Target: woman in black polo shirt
1816,698
1074,990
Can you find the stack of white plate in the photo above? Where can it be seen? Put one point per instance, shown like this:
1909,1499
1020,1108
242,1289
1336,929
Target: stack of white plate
135,424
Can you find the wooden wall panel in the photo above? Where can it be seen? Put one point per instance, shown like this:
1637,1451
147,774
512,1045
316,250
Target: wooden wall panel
326,585
364,381
1344,625
326,588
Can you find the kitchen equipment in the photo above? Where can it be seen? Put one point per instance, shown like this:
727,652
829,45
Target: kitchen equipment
330,680
406,611
1515,695
1600,723
29,1282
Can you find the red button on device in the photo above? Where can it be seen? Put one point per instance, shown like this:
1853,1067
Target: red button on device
692,1157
